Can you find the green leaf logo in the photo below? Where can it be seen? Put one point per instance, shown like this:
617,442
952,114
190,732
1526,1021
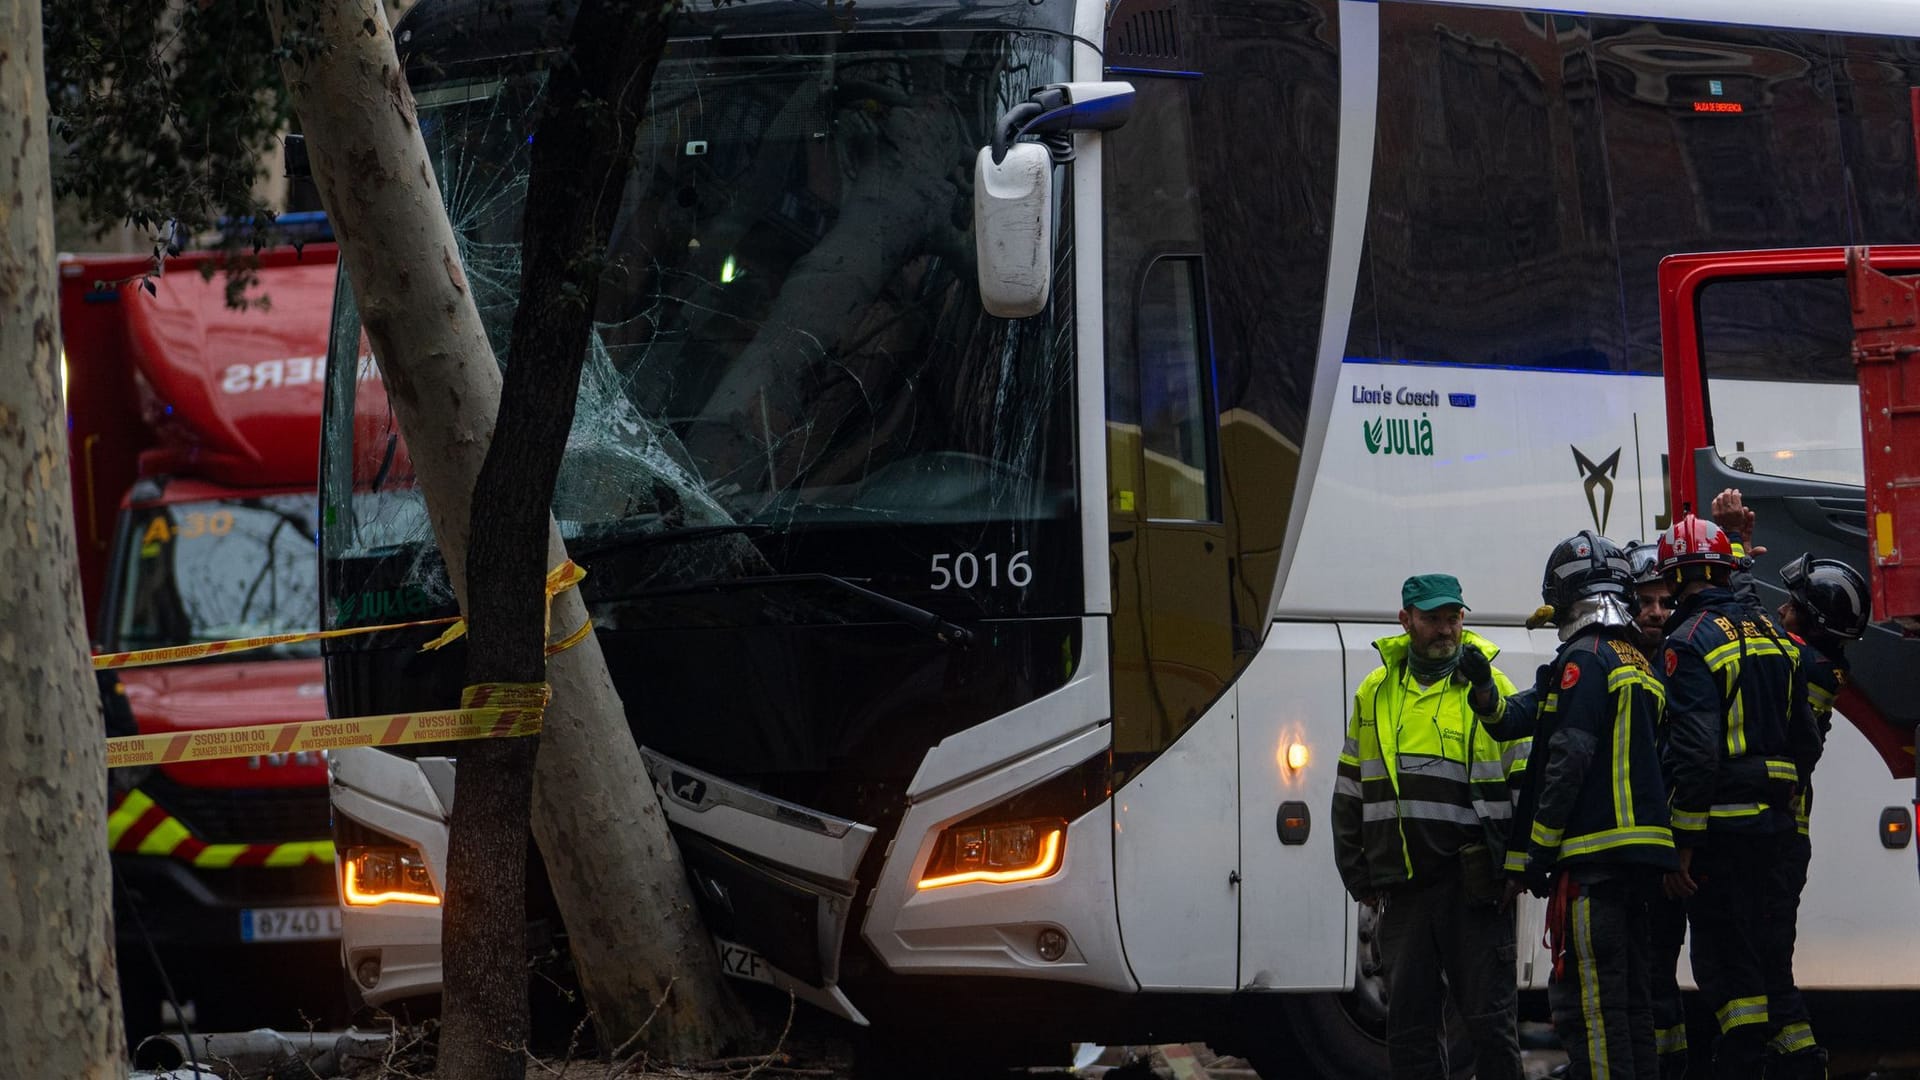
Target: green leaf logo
1373,433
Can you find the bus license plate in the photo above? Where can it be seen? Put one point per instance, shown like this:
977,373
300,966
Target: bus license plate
290,924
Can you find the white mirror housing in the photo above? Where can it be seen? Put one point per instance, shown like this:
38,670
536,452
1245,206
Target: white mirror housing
1013,229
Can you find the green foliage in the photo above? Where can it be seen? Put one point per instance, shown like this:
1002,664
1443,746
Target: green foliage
164,114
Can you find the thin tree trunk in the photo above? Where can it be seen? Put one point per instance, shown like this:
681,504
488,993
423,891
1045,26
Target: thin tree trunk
59,1000
614,869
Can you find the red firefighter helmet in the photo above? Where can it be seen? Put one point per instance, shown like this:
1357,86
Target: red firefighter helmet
1693,542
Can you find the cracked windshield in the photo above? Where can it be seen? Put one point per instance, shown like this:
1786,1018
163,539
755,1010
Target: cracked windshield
210,571
789,337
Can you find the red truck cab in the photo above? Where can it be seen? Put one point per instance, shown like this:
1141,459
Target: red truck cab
194,434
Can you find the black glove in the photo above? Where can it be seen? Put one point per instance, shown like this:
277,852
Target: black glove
1477,668
1536,878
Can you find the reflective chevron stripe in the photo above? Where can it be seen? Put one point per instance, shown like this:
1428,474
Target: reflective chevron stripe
138,825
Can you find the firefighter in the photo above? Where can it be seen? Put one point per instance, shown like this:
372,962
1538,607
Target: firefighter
1740,736
1827,607
1420,813
1591,828
1652,603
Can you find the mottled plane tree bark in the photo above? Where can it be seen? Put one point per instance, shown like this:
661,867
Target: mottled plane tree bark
59,1005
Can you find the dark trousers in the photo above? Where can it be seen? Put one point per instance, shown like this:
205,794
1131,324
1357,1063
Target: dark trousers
1795,1052
1435,932
1666,933
1600,991
1727,916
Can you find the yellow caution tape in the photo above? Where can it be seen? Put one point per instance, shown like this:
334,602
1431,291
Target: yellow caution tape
559,579
175,654
490,711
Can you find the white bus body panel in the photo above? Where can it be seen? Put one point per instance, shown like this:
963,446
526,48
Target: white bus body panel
393,795
985,929
1502,484
1297,925
1853,915
1081,705
1176,848
1498,488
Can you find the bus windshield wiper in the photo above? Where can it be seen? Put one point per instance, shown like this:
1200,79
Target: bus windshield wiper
919,618
604,535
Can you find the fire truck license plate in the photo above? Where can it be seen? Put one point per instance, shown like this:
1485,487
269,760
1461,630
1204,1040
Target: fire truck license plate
290,924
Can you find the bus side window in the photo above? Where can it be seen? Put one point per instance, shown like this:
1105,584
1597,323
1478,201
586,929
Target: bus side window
1176,393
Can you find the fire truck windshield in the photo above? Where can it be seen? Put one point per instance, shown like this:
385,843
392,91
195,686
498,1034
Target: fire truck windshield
789,338
194,572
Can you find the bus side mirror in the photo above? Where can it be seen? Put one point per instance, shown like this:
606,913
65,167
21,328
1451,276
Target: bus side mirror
1013,189
1013,229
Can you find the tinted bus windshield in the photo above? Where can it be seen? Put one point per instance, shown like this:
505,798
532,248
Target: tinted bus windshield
205,571
789,340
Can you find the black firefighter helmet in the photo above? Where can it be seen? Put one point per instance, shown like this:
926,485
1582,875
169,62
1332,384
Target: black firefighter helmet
1583,565
1831,592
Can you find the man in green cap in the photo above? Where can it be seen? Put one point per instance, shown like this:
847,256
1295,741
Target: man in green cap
1420,813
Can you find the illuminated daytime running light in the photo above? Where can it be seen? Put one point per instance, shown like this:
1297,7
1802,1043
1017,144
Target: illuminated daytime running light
375,876
995,854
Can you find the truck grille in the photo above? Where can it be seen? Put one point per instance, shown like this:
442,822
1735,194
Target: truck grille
244,815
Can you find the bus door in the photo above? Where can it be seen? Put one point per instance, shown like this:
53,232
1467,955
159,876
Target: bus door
1762,396
1176,808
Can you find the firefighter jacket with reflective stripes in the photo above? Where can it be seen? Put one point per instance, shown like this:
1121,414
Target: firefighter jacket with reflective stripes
1826,674
1740,731
1826,669
1593,792
1419,776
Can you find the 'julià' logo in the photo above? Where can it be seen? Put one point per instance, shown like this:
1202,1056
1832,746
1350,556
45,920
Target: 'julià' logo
1399,435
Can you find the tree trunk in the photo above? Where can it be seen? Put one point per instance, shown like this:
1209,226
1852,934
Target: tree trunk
614,869
59,1000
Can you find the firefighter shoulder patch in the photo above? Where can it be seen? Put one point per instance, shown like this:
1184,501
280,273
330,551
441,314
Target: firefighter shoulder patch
1569,675
1672,661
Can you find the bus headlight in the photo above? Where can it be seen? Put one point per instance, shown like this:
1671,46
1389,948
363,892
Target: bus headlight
371,876
996,853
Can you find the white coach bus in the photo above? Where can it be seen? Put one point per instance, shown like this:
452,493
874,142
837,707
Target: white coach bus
1356,290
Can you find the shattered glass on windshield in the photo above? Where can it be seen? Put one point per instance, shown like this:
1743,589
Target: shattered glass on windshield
789,332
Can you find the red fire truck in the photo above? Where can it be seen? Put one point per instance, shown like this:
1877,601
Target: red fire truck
193,433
